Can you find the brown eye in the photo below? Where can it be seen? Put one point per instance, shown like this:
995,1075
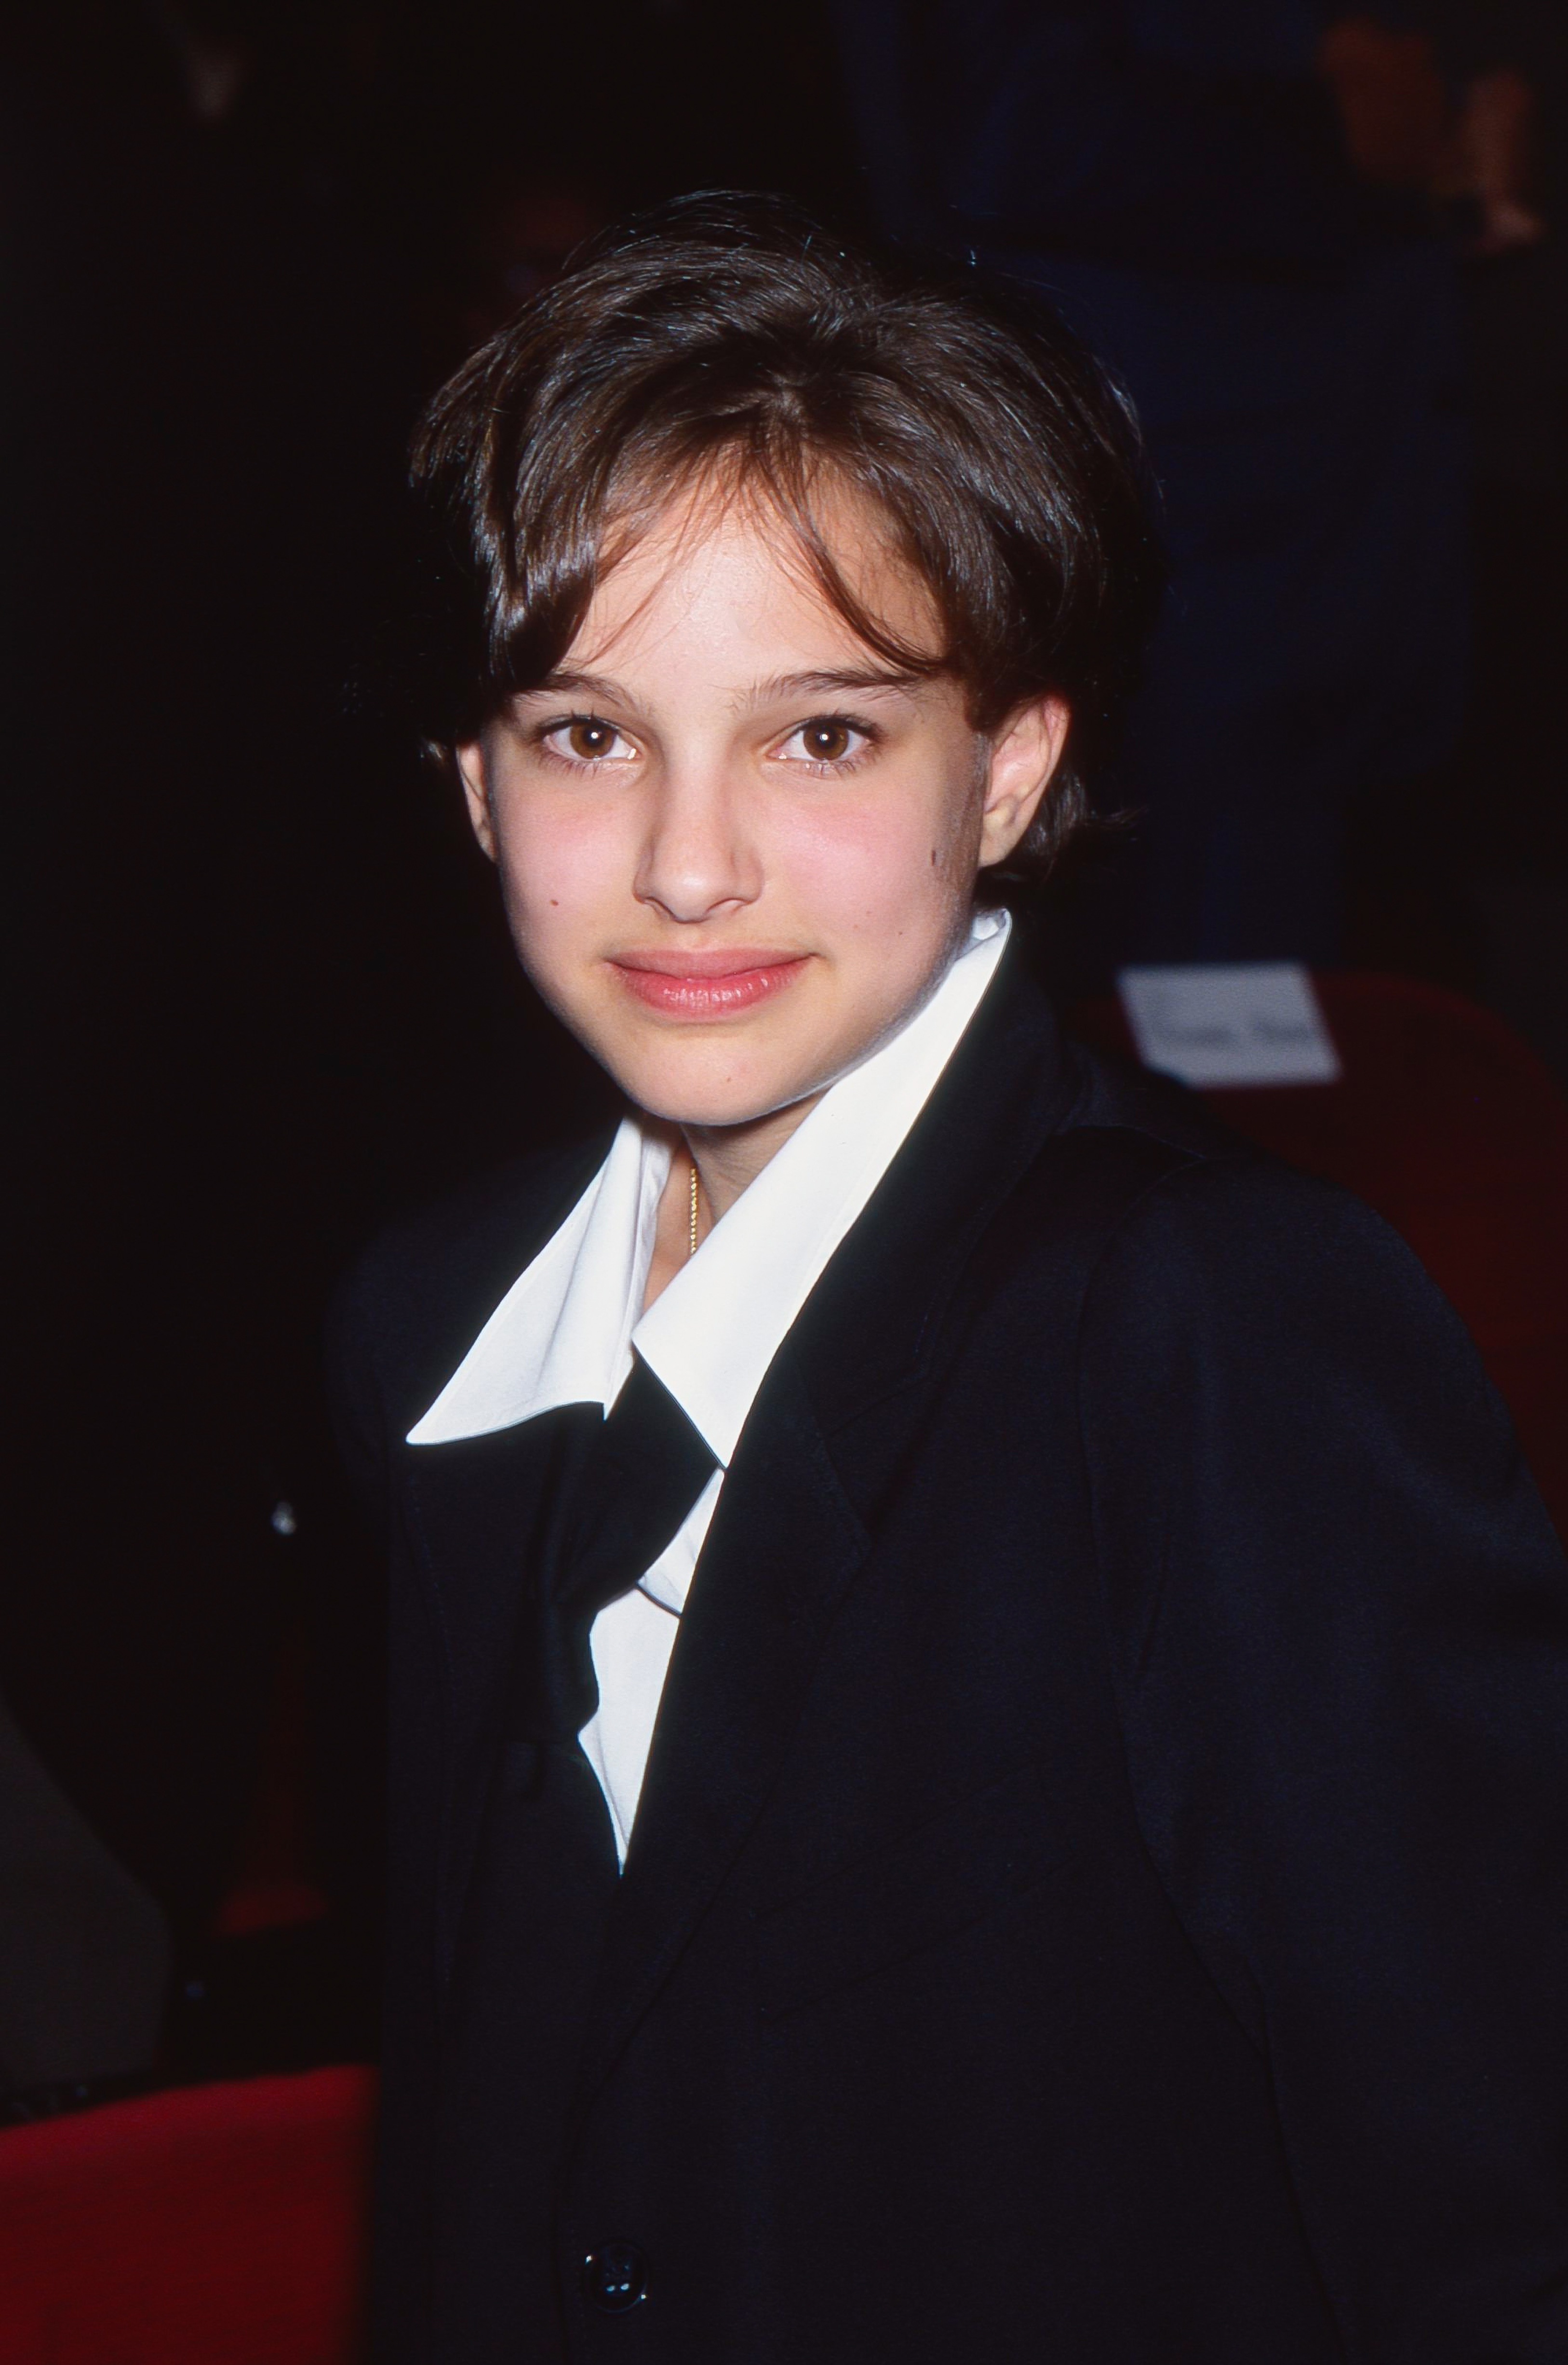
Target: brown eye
826,740
588,740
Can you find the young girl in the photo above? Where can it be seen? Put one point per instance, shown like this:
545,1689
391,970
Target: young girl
977,1757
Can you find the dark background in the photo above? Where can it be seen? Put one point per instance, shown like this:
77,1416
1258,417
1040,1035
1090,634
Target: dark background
263,995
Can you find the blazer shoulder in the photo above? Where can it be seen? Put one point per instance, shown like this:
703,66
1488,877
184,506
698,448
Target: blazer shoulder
1234,1288
1121,1135
1114,1096
1230,1222
1190,1233
1206,1191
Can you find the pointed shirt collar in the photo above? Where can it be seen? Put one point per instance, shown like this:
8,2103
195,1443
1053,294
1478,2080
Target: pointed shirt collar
565,1331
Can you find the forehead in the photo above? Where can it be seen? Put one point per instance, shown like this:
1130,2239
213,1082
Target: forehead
722,576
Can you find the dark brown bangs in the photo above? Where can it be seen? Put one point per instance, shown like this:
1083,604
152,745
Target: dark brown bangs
547,577
781,483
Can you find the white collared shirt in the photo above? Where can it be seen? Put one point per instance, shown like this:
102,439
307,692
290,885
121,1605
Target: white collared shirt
565,1331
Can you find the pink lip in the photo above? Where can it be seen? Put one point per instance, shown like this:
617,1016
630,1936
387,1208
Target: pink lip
710,984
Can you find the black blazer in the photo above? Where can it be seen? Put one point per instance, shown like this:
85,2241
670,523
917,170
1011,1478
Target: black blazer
1098,1888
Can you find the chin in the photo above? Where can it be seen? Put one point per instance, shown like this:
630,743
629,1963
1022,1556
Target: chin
714,1110
693,1098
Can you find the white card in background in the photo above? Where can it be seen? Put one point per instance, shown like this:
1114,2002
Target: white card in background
1232,1023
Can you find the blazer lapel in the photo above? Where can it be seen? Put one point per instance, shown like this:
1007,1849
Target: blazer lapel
867,1328
473,1505
787,1539
784,1544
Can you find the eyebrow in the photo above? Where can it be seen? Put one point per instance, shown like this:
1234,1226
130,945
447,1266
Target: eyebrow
784,686
566,682
563,683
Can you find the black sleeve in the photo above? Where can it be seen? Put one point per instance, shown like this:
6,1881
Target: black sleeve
1339,1622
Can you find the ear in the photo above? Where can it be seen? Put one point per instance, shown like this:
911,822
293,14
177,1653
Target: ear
1024,757
474,773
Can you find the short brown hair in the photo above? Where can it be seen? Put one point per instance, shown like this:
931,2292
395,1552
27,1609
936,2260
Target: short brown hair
732,335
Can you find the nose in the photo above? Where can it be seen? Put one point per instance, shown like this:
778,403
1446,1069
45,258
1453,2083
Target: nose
699,860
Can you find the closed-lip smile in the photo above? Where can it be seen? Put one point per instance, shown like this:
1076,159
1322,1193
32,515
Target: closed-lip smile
709,985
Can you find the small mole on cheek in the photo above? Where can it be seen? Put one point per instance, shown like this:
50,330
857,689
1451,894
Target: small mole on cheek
555,900
934,858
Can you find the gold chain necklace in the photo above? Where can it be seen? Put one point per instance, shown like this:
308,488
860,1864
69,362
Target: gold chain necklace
691,1251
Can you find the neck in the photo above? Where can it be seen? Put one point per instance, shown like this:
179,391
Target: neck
729,1158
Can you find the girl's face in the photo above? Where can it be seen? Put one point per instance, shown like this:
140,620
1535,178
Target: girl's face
736,848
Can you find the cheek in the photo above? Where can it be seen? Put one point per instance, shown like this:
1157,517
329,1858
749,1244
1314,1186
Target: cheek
558,864
886,866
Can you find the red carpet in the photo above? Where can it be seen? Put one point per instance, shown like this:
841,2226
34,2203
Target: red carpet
209,2225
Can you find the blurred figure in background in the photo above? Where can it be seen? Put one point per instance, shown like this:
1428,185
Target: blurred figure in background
85,1962
1253,209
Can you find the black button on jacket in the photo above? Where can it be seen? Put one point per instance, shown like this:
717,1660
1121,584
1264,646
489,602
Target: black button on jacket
1098,1888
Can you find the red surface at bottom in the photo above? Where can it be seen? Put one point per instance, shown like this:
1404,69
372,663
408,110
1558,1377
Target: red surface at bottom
210,2226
